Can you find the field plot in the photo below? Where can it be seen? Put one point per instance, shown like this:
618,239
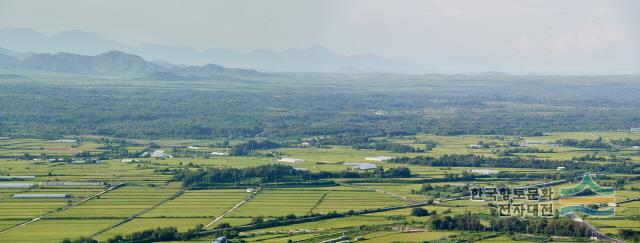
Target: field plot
5,224
109,171
140,224
336,223
398,189
31,207
383,237
48,230
274,202
613,225
19,147
199,203
342,201
628,209
119,203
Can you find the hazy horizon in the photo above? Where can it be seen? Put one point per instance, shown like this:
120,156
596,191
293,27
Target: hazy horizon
542,37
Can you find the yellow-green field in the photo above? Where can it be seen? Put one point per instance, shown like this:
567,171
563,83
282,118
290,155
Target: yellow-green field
147,198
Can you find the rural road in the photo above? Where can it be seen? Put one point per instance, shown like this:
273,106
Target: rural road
249,197
225,214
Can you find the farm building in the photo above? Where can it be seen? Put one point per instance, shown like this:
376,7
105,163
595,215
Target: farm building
220,240
41,196
636,147
193,147
15,185
483,171
475,146
378,158
128,160
11,178
217,153
561,168
71,183
361,166
158,154
291,160
66,141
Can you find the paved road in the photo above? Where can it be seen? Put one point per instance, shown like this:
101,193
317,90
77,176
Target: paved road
594,231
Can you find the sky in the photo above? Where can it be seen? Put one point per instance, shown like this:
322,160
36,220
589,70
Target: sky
518,36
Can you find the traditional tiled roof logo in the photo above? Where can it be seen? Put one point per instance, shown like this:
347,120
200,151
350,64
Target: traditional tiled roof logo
588,192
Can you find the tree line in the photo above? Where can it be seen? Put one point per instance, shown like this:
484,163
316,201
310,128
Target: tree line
538,226
275,173
470,160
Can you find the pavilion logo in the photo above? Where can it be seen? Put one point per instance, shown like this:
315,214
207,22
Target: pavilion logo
588,198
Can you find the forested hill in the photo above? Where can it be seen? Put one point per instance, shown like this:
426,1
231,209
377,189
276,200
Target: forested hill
116,63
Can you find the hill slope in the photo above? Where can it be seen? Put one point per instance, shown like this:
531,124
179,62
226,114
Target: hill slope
117,63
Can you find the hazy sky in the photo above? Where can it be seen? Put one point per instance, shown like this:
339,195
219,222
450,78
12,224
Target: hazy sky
581,36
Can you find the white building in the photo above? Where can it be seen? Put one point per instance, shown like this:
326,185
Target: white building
378,158
475,146
217,153
561,168
291,160
160,154
71,183
41,196
10,178
361,166
483,171
15,185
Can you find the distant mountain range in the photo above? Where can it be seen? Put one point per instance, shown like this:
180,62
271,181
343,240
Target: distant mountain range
313,59
117,63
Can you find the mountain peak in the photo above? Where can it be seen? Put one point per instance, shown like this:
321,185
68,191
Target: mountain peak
116,53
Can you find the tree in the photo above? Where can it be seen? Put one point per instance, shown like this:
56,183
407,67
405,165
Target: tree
419,212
